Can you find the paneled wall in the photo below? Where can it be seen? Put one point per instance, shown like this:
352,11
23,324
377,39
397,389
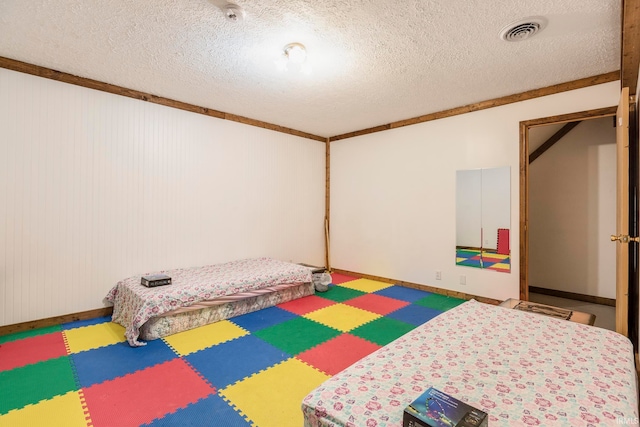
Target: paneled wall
95,187
393,195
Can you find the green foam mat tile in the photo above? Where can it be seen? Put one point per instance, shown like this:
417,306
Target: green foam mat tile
30,333
439,302
340,293
382,331
297,335
33,383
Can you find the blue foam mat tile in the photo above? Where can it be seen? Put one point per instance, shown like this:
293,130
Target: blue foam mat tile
225,364
105,363
487,264
414,314
402,293
88,322
212,411
262,318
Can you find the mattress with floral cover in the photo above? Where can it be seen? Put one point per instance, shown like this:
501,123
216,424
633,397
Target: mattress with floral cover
178,321
523,369
134,304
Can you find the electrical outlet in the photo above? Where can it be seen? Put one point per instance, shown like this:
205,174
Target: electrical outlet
438,275
463,280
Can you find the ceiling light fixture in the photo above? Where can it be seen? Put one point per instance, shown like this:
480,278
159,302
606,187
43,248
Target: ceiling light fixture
295,53
294,58
523,29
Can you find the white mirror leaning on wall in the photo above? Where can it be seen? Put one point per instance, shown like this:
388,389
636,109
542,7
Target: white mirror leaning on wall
483,218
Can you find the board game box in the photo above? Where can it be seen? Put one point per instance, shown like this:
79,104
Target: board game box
437,409
154,280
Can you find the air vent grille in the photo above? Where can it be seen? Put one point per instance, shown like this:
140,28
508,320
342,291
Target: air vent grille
523,29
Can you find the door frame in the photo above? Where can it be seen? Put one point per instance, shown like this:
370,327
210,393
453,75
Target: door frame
524,180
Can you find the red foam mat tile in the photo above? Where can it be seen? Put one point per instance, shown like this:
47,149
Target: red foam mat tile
503,241
338,353
489,258
377,303
337,278
145,395
306,305
15,354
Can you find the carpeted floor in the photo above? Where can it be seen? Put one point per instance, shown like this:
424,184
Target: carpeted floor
253,369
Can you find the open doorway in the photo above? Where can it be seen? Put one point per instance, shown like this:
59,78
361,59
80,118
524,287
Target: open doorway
567,176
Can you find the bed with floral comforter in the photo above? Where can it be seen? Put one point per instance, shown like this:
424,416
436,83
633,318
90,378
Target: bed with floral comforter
134,304
523,369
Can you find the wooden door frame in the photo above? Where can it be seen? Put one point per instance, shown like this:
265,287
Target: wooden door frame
524,180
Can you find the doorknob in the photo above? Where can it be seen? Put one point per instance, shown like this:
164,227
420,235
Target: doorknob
623,238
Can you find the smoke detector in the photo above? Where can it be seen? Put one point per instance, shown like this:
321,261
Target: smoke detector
523,29
233,12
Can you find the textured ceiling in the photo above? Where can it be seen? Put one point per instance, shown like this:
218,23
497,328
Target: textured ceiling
373,62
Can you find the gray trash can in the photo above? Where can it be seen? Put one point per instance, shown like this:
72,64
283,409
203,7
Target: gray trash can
321,281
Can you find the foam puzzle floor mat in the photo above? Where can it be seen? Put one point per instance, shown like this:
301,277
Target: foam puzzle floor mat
485,259
250,370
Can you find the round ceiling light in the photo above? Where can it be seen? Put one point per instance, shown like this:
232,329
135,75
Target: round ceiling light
295,52
523,29
293,58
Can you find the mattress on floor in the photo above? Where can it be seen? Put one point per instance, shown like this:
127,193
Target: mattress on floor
134,304
224,308
520,368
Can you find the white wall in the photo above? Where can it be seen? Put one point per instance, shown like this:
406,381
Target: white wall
393,192
96,187
572,212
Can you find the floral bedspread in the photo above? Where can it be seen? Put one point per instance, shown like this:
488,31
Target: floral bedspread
134,304
523,369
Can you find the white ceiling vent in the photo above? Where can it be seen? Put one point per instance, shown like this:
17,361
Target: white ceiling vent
523,29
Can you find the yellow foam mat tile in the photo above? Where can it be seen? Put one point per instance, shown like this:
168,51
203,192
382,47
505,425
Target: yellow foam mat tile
197,339
342,317
497,256
60,411
365,285
272,398
93,336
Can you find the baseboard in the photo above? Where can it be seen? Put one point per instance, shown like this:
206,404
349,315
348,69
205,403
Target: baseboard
446,292
570,295
57,320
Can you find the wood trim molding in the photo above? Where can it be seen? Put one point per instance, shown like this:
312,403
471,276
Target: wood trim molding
57,320
536,93
420,287
48,73
630,45
524,180
571,295
327,205
552,140
572,117
524,212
